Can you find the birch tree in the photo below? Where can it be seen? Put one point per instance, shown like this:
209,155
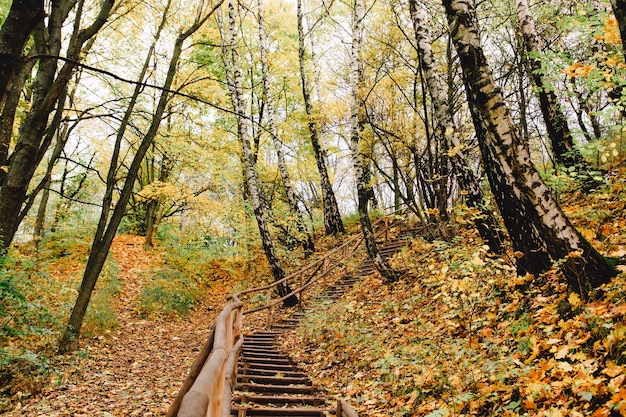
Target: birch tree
563,148
332,218
359,162
304,237
445,130
539,230
234,78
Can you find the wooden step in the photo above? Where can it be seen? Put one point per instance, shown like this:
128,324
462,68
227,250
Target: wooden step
266,366
270,372
274,380
279,399
293,412
289,389
261,348
254,353
263,360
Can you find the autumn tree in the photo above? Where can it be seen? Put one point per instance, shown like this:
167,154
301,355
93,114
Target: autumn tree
539,230
234,80
619,9
359,161
332,218
23,16
563,148
110,221
445,130
303,236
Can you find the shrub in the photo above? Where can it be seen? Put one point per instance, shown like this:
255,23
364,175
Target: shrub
168,292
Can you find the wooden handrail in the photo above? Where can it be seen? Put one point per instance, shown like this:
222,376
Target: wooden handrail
204,391
207,389
344,410
274,302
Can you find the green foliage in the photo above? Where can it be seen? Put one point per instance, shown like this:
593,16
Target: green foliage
168,292
23,322
71,234
135,220
101,317
19,315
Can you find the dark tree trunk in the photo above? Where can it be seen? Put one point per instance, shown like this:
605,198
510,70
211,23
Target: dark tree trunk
563,148
619,10
23,16
7,119
41,213
332,218
46,92
539,229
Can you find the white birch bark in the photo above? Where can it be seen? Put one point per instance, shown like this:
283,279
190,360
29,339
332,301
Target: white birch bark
304,237
539,229
364,188
235,86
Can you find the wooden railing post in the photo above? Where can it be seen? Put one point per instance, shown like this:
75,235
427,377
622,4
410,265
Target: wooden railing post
207,389
302,292
386,229
268,301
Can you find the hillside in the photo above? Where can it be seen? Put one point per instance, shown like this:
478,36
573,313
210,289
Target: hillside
459,334
133,367
462,335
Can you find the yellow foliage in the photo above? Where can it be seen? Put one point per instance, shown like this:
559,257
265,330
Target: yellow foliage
610,33
577,69
157,190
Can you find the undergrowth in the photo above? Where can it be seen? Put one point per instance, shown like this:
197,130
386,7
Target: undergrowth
168,292
462,335
101,317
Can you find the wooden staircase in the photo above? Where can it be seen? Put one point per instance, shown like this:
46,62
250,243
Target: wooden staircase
269,382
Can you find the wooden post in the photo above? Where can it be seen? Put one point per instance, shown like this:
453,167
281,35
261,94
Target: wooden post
268,301
301,291
386,228
338,408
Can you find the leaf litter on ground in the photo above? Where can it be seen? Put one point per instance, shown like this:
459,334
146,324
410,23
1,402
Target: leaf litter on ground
462,335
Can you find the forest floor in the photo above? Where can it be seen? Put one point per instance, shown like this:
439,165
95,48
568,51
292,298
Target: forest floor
460,334
136,369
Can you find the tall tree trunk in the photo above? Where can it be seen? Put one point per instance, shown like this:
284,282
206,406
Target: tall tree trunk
445,130
235,85
9,110
332,218
565,153
359,162
304,237
46,91
539,229
619,10
107,228
23,16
